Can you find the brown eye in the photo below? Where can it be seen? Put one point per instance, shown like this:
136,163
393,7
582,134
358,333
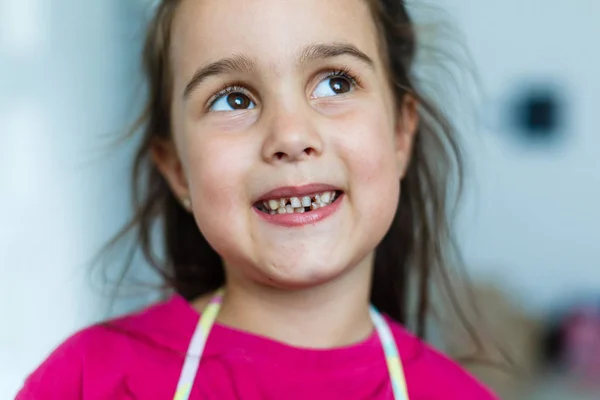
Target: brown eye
238,101
340,85
334,85
232,98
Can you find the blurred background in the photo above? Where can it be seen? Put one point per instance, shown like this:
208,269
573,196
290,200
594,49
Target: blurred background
529,225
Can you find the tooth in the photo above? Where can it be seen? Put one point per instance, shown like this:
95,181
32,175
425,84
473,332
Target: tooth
281,210
299,210
289,209
273,205
314,206
295,202
282,203
326,197
272,212
321,204
306,201
317,198
333,195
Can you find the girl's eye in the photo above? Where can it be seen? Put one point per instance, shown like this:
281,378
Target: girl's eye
232,101
333,85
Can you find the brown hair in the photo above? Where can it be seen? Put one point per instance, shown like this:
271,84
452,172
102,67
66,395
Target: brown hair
416,245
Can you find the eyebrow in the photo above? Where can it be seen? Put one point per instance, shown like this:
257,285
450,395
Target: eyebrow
324,51
241,63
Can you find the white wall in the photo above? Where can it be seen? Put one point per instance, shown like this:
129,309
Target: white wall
66,69
532,223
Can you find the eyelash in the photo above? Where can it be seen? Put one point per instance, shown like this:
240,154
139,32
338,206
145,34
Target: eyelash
344,73
238,87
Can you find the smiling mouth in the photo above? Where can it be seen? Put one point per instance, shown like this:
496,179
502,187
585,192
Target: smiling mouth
298,205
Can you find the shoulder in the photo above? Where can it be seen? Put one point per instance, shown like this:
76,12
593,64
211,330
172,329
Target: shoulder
100,354
431,374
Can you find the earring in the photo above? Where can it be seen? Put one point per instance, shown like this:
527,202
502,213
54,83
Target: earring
187,203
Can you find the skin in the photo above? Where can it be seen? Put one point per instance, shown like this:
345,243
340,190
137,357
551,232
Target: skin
297,130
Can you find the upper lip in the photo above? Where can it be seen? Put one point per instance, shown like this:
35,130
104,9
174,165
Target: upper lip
297,191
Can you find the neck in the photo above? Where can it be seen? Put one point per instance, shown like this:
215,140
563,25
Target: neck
332,314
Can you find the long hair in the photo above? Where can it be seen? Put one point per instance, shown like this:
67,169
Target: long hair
419,240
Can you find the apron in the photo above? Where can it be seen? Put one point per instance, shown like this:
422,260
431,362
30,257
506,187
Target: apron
207,319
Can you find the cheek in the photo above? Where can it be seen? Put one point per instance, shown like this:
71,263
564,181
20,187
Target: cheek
369,150
212,175
216,170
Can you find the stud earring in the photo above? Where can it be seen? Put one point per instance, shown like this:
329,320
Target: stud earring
187,203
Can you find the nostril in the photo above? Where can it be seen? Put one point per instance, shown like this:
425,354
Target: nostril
293,155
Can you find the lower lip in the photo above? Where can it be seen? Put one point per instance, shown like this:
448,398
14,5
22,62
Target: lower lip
301,219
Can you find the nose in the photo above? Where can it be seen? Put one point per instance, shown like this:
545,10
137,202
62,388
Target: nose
291,136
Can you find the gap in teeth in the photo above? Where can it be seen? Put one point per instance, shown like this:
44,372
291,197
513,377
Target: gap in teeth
298,204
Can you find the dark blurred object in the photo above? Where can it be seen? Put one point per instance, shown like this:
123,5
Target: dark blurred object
553,344
538,112
572,343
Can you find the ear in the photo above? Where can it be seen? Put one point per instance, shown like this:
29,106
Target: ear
406,128
165,157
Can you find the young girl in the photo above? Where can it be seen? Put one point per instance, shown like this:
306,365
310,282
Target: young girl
300,180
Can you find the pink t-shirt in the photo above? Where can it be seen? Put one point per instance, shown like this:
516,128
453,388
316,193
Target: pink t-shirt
140,356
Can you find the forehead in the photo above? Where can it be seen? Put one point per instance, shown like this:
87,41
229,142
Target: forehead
269,31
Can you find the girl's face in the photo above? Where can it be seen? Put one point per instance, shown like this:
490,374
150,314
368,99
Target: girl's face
273,103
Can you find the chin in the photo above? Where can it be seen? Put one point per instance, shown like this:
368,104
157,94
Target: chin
301,272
